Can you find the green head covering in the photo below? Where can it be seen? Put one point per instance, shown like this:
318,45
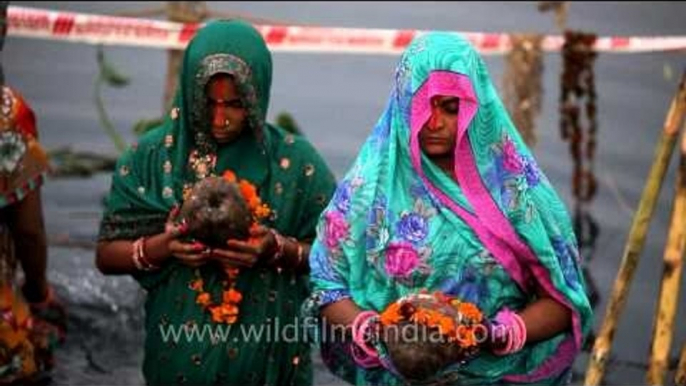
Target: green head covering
169,159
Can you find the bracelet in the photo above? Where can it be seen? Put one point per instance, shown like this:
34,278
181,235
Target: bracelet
522,332
515,332
362,354
280,246
300,255
138,256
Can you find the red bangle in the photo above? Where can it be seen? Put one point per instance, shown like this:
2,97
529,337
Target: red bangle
138,256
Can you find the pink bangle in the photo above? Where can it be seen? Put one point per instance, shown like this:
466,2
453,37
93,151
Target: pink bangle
363,355
521,332
359,327
362,359
516,332
510,335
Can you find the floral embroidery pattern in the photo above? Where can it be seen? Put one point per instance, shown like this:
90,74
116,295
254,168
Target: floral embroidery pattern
413,227
202,165
401,259
470,283
321,267
344,192
342,197
377,234
511,174
409,253
12,149
568,257
336,229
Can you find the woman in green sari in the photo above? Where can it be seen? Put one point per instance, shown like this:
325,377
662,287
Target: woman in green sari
217,124
444,196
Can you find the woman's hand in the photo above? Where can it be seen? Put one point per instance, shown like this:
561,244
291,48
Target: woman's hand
192,254
261,246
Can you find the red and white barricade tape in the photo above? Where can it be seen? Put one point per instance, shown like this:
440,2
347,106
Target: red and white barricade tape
127,31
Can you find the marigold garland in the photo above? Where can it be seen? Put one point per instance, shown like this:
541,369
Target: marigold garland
462,326
227,311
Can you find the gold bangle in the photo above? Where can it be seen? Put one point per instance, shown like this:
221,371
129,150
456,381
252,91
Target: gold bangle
300,255
280,247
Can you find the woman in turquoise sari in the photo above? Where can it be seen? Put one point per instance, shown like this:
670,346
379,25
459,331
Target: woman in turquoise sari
217,124
444,196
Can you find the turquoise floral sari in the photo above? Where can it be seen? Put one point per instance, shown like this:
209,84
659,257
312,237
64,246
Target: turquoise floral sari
493,235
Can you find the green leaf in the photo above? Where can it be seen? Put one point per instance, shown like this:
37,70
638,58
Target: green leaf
110,74
144,125
285,121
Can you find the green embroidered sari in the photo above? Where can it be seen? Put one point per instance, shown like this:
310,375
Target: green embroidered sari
292,178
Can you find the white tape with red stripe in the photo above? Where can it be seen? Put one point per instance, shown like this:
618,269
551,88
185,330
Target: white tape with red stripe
98,29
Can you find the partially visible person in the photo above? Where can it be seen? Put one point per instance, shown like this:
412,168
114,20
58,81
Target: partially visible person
32,321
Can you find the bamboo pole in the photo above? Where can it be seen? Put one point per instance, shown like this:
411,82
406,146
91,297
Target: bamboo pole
189,12
671,280
180,12
680,378
637,235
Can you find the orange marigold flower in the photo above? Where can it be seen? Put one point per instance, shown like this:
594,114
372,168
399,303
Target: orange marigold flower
229,176
446,325
216,314
466,336
388,319
262,211
391,315
421,316
229,310
470,311
203,299
232,296
248,190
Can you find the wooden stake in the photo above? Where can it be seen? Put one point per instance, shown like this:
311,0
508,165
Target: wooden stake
671,280
637,235
680,378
